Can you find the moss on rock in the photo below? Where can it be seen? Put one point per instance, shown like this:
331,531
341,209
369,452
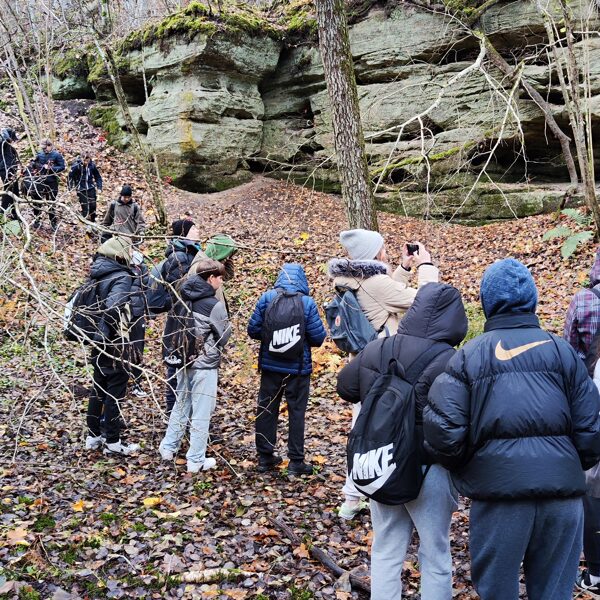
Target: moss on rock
106,117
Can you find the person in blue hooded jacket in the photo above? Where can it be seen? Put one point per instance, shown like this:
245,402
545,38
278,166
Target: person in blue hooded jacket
515,418
289,376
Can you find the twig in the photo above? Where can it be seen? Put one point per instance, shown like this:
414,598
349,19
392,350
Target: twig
321,556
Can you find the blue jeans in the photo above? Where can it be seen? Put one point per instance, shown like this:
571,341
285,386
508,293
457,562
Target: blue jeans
546,535
196,399
430,513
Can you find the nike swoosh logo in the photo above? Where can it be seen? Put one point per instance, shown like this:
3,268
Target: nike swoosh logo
502,354
376,484
283,348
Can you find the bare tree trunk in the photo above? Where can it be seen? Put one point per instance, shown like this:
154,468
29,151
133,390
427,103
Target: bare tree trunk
152,179
349,140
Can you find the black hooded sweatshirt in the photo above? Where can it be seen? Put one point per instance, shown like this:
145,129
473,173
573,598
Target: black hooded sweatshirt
436,315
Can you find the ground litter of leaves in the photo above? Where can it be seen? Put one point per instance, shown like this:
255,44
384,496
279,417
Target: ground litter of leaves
76,524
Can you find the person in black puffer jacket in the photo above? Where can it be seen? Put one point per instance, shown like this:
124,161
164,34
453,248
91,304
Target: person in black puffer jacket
109,358
436,315
515,417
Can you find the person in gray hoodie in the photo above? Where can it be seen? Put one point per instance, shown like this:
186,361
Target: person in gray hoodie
194,345
124,216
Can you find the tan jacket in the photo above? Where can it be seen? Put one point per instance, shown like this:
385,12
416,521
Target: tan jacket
383,297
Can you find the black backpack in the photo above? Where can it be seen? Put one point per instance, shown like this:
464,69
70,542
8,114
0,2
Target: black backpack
83,313
383,453
158,297
283,329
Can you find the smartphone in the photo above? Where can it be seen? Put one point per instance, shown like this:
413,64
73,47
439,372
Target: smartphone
412,249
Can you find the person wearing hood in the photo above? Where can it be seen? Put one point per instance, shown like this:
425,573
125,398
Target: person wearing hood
515,418
196,343
383,295
436,315
9,172
279,376
113,276
85,179
180,254
124,215
581,327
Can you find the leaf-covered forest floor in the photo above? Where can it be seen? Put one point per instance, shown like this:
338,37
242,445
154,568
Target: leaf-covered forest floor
75,524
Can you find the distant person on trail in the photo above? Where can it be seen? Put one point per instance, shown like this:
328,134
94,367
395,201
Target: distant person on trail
180,253
9,172
582,331
287,322
434,323
112,272
85,178
515,418
384,297
195,344
124,216
48,163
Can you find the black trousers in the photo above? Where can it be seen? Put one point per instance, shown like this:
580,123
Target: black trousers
272,388
171,386
48,191
7,203
87,199
110,387
137,338
591,534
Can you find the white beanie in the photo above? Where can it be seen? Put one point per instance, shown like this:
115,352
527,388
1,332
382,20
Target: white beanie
362,244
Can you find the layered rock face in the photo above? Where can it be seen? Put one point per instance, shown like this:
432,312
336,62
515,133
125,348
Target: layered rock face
447,135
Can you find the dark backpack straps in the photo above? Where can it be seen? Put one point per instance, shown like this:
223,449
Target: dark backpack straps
419,365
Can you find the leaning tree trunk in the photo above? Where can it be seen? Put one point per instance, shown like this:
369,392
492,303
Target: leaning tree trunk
347,128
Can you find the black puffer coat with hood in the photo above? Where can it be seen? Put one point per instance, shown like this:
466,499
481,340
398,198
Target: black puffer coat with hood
436,315
514,415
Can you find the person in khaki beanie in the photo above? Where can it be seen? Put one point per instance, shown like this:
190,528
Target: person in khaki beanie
384,296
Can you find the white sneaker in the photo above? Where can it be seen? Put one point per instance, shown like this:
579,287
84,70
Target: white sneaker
93,442
348,510
209,463
166,454
138,391
121,448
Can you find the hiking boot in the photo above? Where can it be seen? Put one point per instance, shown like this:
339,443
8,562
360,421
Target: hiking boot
348,510
584,582
94,442
166,454
299,467
268,462
121,448
136,390
209,463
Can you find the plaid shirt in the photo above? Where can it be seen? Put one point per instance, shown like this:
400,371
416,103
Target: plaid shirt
583,320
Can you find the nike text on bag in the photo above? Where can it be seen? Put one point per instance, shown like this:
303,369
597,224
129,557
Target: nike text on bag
348,326
383,450
82,314
283,326
158,297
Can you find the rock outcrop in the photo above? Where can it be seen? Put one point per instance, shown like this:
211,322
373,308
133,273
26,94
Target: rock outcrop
447,135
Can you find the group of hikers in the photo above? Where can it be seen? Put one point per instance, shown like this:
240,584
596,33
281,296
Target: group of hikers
510,420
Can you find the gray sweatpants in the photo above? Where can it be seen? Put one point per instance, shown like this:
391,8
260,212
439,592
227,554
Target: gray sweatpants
545,535
430,514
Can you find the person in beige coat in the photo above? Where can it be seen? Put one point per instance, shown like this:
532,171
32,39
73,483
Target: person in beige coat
383,294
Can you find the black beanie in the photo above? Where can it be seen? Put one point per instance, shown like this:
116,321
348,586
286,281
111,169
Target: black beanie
182,227
126,191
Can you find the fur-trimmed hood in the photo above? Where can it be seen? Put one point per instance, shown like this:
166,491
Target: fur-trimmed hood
357,269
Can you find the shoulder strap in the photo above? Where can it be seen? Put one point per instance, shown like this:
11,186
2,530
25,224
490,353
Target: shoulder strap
417,367
595,292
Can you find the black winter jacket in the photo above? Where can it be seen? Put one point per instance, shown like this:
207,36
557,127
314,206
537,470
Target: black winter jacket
9,162
180,254
82,177
436,315
114,292
515,414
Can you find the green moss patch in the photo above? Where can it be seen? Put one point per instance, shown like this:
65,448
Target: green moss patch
106,118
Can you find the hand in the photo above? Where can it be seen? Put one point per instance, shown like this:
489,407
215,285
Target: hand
407,259
423,256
